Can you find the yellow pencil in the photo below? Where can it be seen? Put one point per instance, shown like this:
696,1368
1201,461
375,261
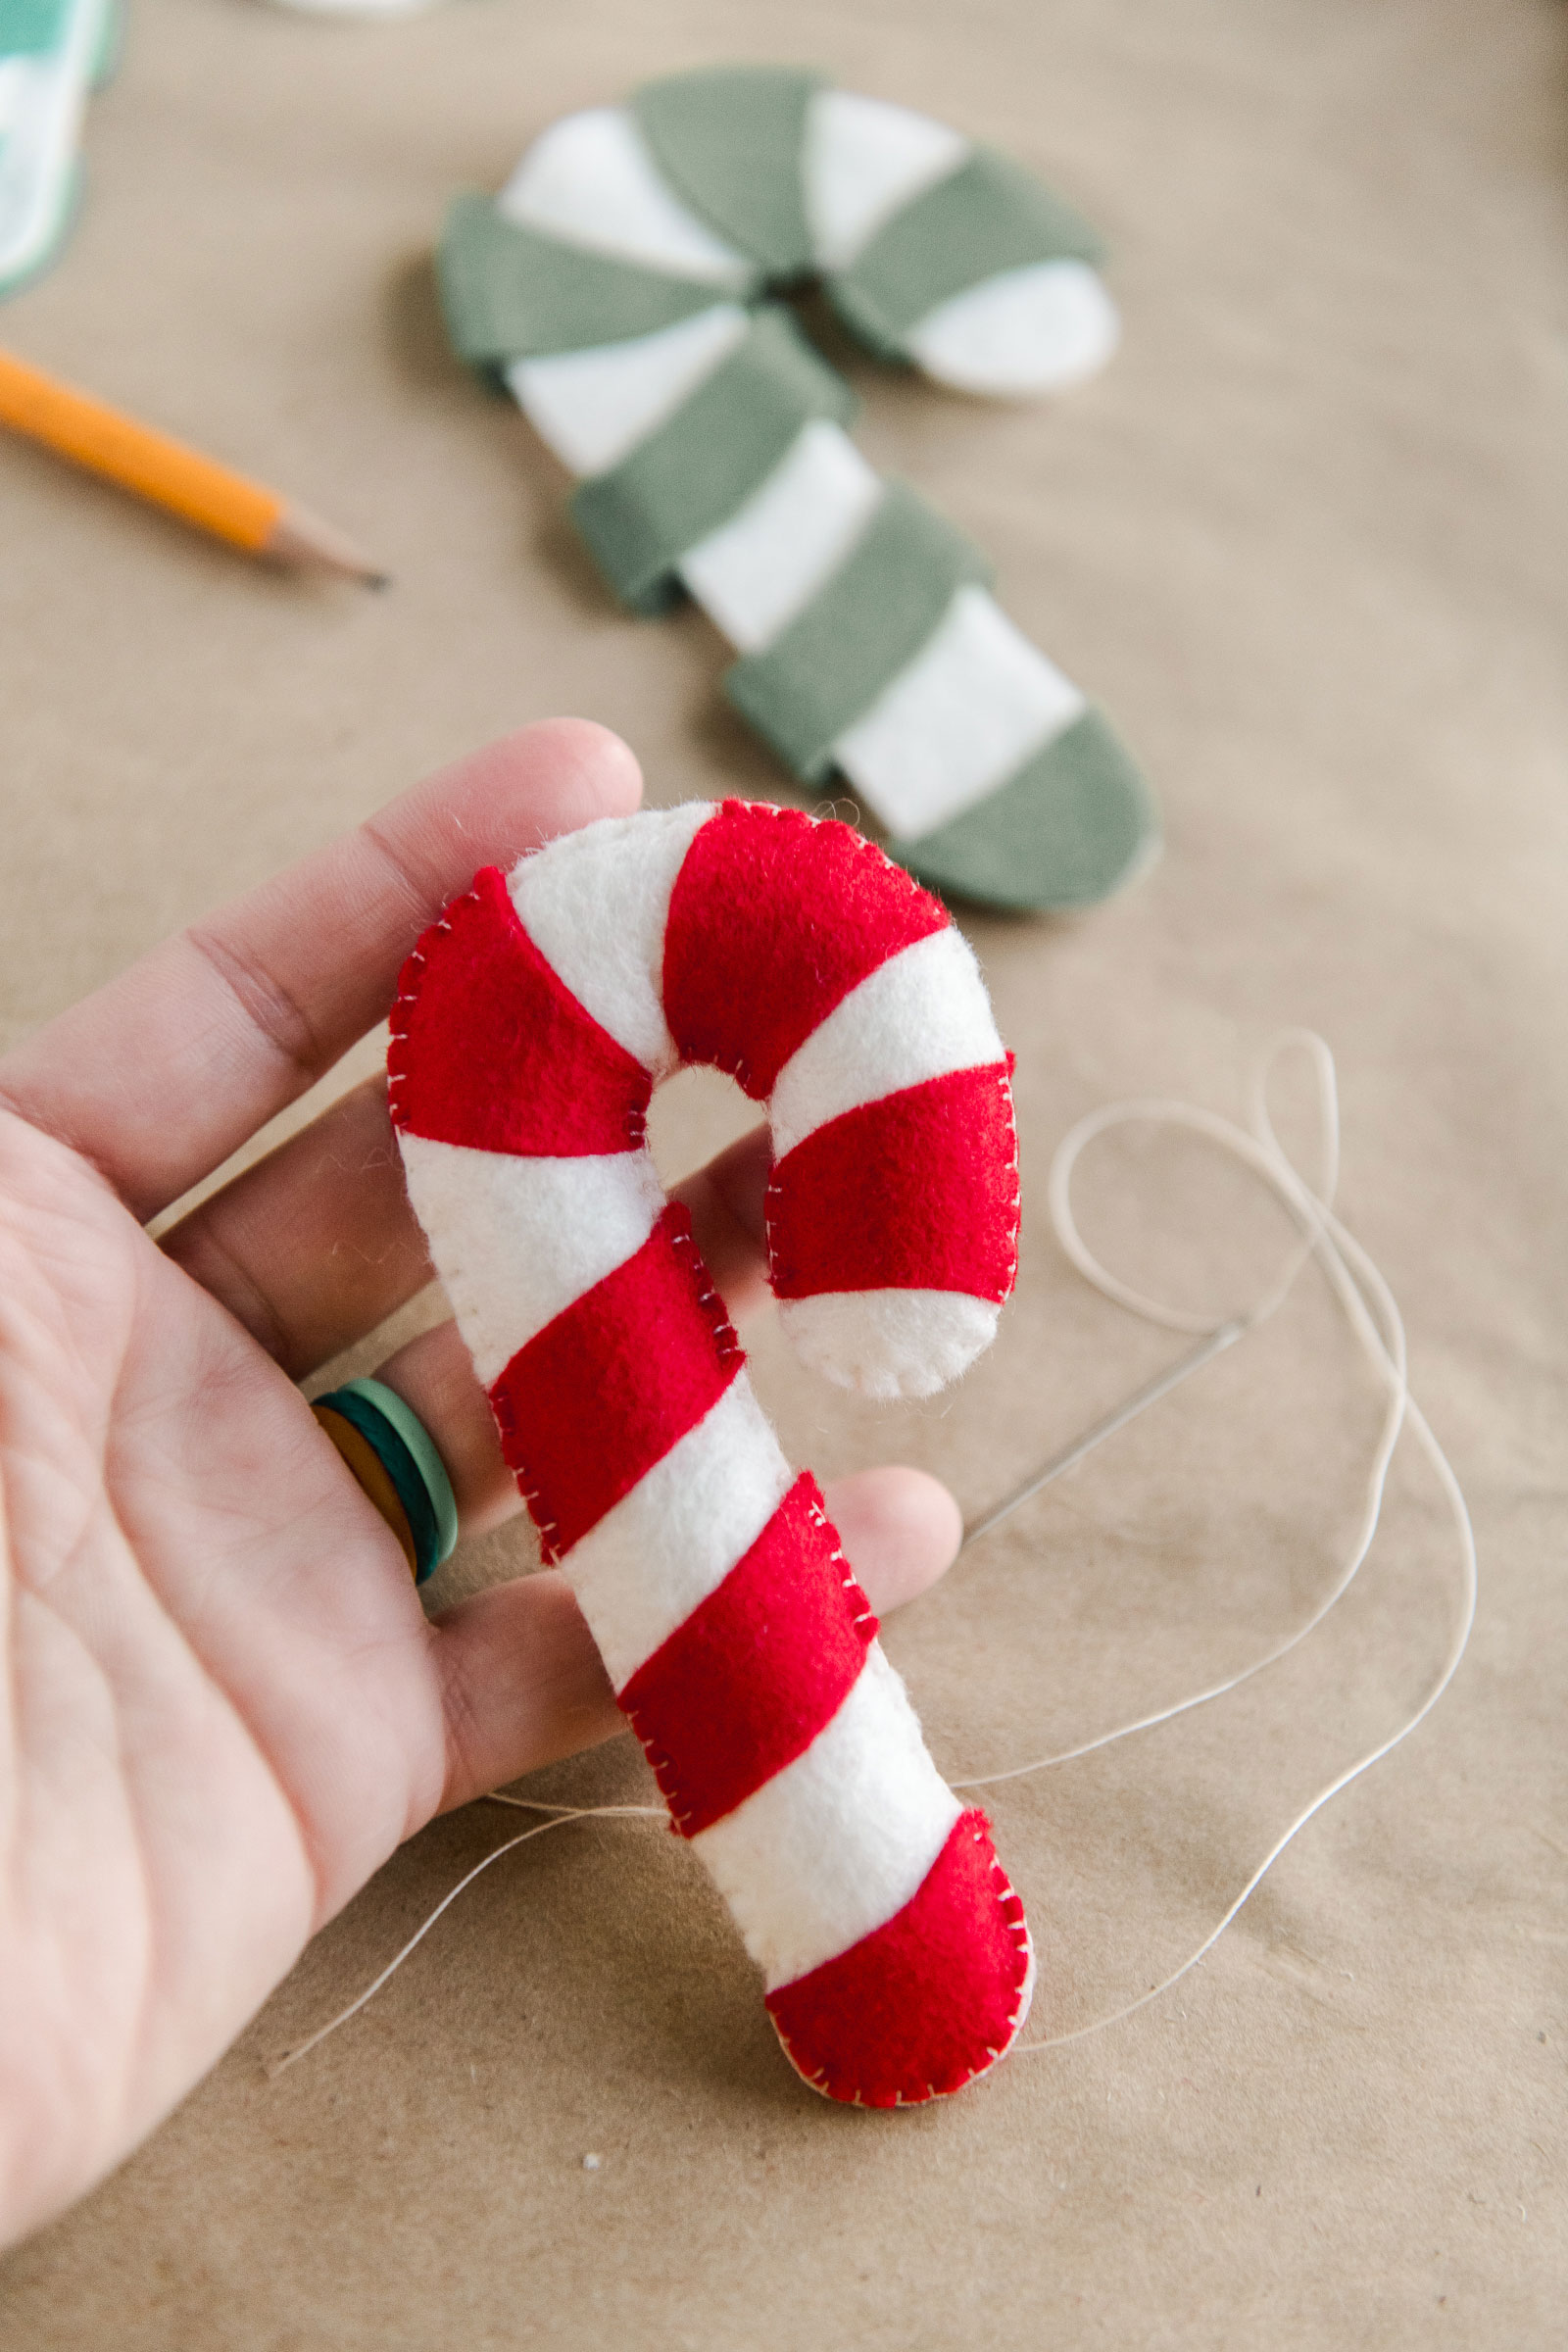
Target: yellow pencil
196,488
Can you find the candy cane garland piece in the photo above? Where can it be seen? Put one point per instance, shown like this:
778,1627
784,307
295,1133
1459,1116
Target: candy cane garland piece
531,1025
616,286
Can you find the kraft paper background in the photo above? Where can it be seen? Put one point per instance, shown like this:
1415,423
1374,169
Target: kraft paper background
1305,540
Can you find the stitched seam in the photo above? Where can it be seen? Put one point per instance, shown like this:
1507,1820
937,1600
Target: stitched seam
410,979
860,1610
511,1448
1015,1198
1010,1905
725,1339
664,1773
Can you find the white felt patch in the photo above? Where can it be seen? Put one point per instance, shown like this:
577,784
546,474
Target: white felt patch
758,570
515,1241
16,80
863,161
593,406
974,705
595,905
838,1841
920,1014
1024,331
888,1343
591,180
17,76
46,97
664,1546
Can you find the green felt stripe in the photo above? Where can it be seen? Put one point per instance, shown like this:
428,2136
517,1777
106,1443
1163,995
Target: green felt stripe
32,28
730,141
864,624
694,471
510,294
408,1456
1074,824
988,215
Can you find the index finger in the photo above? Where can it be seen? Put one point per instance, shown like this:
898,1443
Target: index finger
159,1075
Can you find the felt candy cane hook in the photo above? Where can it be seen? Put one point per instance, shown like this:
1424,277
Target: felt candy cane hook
531,1026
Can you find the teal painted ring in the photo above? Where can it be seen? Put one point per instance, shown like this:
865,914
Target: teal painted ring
407,1454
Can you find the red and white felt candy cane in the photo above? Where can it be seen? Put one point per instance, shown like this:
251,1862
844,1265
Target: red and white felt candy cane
531,1026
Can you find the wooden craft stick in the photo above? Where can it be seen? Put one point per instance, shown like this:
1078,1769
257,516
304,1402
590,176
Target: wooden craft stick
165,471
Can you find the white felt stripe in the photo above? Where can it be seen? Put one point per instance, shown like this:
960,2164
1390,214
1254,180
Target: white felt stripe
48,97
920,1014
839,1840
15,80
888,1343
1024,331
758,570
515,1241
664,1546
863,161
592,406
977,701
591,180
595,908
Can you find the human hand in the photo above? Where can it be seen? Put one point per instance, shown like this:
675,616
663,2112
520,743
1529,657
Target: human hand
222,1706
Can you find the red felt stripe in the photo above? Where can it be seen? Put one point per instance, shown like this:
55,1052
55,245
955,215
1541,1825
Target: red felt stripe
918,1190
925,2002
490,1049
603,1392
756,1670
773,920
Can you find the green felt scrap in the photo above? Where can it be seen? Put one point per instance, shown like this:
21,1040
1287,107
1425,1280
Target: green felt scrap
512,294
32,27
1075,823
987,217
864,624
731,141
695,471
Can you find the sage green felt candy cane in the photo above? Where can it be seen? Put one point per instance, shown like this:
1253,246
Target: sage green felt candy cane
621,286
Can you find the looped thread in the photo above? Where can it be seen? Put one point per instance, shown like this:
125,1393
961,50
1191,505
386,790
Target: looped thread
1374,1317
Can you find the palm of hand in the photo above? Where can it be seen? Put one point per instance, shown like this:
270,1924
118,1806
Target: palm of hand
222,1704
225,1705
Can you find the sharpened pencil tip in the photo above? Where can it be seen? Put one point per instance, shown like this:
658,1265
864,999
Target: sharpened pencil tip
378,580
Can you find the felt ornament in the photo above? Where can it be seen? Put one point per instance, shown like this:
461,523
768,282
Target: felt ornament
620,286
1375,1324
51,54
531,1025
